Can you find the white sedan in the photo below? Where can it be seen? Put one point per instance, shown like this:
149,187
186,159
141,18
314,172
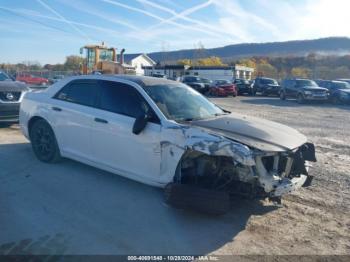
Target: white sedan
162,132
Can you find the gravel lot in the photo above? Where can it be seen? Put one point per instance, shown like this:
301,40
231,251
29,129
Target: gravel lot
72,208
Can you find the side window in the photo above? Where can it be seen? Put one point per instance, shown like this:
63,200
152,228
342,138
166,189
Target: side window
123,99
292,84
79,92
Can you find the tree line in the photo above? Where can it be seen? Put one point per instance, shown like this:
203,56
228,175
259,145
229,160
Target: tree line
72,63
311,66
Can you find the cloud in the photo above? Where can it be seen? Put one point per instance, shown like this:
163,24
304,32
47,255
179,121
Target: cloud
162,20
32,13
46,6
184,16
85,7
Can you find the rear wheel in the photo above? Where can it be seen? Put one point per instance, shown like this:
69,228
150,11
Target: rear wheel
300,99
44,142
282,96
335,100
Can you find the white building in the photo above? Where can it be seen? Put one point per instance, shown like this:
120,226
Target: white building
209,72
138,61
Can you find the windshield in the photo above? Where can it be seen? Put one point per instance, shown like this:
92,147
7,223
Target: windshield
181,103
267,81
222,82
303,83
342,85
192,79
204,80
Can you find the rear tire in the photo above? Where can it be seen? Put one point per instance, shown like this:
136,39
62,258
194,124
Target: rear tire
282,96
44,142
335,100
300,99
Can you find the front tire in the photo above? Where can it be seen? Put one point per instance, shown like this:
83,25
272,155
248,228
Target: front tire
44,142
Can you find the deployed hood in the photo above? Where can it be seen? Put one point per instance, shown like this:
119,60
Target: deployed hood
12,86
254,132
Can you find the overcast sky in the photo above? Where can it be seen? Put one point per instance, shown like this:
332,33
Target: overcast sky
48,30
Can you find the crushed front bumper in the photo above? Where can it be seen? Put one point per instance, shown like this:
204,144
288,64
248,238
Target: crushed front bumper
294,175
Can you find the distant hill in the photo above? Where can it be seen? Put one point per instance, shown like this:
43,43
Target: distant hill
331,45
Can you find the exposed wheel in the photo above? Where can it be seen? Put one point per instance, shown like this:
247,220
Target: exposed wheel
282,96
300,99
197,199
335,100
44,142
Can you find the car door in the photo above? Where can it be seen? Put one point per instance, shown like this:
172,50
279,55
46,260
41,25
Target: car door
291,88
72,113
113,142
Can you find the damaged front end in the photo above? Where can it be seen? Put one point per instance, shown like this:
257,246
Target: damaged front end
220,164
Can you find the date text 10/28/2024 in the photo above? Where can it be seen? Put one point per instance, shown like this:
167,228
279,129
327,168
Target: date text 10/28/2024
172,258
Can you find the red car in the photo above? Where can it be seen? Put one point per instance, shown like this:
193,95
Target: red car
30,79
223,88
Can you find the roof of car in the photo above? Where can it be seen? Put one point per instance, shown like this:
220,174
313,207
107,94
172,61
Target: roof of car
145,80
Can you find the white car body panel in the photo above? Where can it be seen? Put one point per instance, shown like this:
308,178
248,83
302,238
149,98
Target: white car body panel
150,157
115,146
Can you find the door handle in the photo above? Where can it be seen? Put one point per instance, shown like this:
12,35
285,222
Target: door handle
100,120
56,108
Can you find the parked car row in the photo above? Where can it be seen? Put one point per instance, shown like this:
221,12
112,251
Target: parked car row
34,80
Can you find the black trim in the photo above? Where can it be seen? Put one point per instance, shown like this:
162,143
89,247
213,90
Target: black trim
79,81
155,119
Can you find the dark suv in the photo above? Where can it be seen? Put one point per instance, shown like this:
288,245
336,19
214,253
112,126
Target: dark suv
11,94
303,90
200,84
266,86
339,91
243,86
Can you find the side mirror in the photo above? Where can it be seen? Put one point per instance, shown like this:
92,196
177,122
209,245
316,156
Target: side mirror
140,124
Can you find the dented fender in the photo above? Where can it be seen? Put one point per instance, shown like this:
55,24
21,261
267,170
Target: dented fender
179,139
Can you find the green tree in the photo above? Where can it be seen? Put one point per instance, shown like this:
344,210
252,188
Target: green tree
73,62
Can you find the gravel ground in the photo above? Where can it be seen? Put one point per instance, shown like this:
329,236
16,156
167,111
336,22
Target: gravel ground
75,209
315,220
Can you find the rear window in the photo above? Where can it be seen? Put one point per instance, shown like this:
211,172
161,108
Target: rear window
122,99
80,92
222,82
266,81
303,83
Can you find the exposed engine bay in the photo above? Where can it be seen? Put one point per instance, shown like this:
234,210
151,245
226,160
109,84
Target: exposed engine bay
273,175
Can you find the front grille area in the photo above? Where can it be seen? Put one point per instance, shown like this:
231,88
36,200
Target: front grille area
319,92
9,96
